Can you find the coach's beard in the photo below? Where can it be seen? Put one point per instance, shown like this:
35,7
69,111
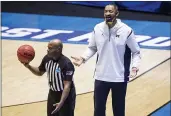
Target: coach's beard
109,21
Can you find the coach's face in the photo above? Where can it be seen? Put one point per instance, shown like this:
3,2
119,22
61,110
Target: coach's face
110,14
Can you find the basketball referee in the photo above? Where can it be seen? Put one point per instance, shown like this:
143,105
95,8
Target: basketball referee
60,71
115,44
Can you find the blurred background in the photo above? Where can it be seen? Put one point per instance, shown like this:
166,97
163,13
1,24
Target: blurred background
162,7
139,10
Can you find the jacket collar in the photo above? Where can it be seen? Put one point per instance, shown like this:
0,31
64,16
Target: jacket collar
105,29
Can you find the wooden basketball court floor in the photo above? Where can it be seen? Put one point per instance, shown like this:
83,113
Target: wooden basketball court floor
24,94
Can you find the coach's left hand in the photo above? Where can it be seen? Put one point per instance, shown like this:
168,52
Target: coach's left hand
58,107
133,72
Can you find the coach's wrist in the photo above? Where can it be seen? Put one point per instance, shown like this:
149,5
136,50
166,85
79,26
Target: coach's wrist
83,59
135,69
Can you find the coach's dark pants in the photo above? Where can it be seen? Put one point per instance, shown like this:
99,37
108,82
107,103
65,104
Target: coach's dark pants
101,92
68,107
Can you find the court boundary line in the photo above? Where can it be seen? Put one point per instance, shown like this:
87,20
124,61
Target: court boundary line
92,91
159,108
151,69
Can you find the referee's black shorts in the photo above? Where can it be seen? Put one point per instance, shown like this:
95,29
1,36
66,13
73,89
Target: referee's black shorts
68,107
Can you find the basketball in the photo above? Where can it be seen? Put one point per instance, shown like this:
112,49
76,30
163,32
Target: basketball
25,53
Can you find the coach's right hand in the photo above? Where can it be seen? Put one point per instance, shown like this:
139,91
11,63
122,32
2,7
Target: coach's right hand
77,61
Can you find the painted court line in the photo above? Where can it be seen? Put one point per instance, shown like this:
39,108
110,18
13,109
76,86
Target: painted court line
163,110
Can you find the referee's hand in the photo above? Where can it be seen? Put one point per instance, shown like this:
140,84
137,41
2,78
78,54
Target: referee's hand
26,64
77,61
58,107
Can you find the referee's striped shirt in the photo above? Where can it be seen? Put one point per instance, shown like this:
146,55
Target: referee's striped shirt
58,71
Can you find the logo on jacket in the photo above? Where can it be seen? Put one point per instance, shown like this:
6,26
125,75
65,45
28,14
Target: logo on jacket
117,36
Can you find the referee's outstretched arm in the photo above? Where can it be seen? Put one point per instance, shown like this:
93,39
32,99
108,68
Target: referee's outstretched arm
34,70
39,71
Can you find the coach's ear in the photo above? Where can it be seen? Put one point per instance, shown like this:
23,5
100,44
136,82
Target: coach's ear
117,13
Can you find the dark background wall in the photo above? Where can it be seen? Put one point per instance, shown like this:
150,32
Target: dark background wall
158,7
75,9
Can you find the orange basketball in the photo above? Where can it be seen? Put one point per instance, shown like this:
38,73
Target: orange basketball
25,53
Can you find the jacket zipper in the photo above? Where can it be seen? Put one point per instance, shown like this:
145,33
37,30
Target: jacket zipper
109,36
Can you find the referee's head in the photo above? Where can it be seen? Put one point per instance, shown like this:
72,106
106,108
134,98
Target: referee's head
55,47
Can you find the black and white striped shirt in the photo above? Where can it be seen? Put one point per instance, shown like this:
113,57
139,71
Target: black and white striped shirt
58,71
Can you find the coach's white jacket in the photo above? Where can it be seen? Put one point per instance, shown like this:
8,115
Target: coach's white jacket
114,47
